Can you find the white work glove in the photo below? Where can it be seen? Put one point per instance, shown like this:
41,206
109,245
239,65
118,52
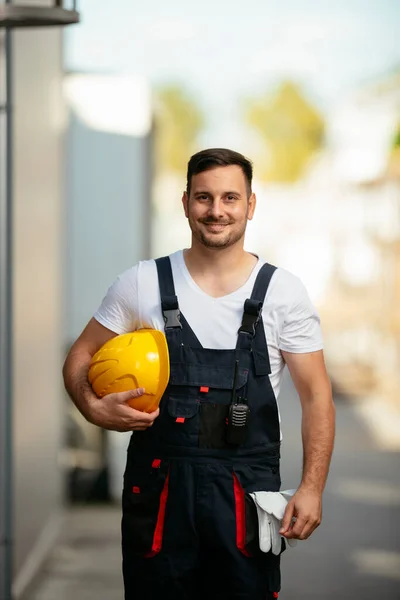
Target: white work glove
270,510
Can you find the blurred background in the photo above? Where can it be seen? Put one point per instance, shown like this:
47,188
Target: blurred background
97,122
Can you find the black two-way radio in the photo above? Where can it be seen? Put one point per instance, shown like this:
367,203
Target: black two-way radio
238,417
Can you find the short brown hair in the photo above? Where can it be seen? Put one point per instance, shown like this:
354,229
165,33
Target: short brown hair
218,157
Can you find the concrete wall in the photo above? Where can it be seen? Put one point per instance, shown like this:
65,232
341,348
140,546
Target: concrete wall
37,273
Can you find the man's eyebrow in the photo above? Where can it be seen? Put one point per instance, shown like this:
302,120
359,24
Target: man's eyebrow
205,192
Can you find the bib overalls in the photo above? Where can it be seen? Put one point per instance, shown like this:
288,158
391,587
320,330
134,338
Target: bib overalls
189,528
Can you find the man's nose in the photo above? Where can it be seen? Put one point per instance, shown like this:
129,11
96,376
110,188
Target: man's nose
216,208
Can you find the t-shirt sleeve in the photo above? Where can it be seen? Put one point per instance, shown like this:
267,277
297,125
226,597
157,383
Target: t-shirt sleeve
119,310
301,329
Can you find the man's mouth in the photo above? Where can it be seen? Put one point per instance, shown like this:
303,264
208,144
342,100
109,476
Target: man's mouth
215,227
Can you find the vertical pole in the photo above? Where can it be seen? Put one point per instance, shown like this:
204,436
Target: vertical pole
5,318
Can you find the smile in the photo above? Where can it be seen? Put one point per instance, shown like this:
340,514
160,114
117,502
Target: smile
215,227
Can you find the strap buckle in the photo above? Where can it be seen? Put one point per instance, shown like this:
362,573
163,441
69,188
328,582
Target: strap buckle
251,317
172,318
171,312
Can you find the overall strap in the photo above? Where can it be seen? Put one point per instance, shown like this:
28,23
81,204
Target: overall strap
249,335
169,301
262,281
177,330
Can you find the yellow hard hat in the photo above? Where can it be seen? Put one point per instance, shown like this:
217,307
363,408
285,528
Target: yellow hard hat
132,360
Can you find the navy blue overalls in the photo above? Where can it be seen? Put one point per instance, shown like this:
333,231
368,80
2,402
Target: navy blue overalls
189,527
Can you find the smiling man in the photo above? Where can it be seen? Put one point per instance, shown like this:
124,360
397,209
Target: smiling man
232,322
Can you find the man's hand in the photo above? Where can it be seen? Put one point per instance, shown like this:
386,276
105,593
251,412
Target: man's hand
113,412
303,514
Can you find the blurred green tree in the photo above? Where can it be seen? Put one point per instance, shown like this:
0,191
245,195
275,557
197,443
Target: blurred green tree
396,140
178,122
291,131
394,156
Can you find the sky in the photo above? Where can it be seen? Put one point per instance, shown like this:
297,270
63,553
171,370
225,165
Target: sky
223,51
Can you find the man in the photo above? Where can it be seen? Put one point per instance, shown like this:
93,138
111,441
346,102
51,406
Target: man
232,322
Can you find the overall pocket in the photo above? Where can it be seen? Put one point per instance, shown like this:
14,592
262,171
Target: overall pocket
180,421
246,520
247,479
144,501
196,407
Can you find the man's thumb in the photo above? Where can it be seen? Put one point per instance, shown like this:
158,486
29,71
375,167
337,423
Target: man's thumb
125,396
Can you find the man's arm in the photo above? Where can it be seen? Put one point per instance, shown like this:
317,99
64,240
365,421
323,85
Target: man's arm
111,411
309,375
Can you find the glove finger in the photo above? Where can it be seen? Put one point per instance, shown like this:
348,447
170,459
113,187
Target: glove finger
276,542
278,510
263,530
272,502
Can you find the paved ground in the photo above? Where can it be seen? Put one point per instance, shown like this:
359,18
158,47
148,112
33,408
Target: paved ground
355,554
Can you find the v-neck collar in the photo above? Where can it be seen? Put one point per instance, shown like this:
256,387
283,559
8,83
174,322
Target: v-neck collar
185,271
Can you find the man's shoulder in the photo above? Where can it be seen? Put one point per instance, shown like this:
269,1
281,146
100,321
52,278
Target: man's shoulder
151,262
146,269
287,278
283,279
285,290
131,276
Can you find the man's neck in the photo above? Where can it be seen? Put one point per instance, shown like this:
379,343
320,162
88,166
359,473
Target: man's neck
217,260
219,271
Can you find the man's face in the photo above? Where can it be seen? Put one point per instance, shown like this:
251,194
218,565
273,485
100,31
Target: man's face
218,207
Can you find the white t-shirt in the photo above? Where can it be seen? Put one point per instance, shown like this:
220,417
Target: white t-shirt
291,322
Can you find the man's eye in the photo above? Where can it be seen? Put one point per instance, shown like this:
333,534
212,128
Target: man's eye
231,198
202,197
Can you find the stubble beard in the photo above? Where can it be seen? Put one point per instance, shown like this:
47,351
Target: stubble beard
215,241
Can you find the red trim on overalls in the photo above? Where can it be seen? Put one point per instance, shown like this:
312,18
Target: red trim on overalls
240,508
158,532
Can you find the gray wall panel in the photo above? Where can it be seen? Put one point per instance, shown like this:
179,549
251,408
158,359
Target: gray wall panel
108,191
37,130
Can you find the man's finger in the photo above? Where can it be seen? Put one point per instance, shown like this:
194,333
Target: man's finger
308,529
140,423
138,415
287,518
139,427
297,528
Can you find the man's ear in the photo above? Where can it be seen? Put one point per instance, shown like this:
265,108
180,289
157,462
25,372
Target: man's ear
252,206
185,202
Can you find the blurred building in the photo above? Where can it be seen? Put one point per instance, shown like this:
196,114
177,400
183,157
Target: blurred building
108,179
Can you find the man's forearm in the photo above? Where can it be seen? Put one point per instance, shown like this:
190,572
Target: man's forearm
318,432
75,373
